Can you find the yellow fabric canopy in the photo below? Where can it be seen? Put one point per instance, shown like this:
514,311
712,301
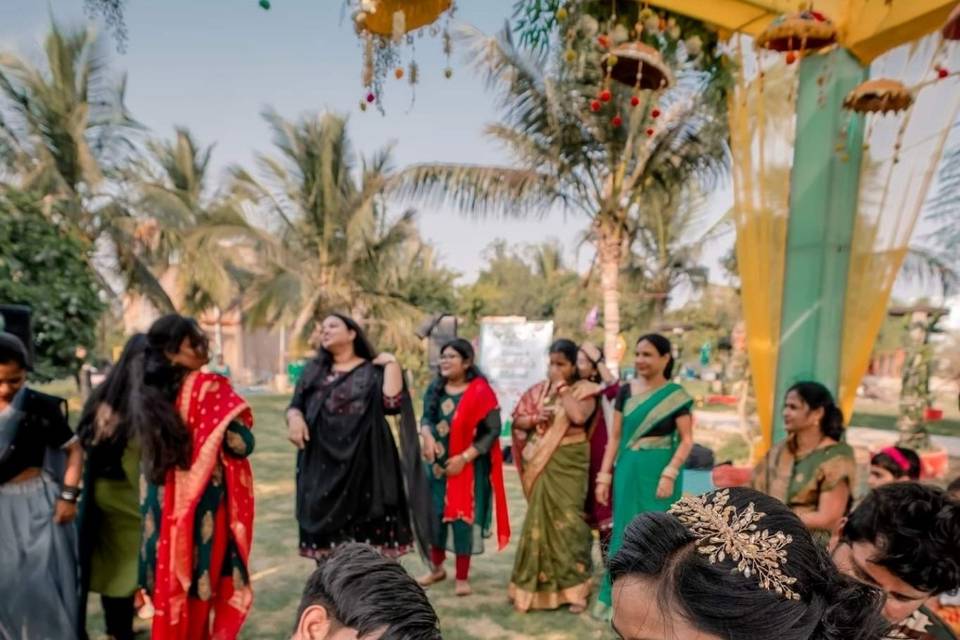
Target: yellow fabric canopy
868,28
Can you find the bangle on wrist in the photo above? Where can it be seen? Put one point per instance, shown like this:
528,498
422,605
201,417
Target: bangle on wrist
669,472
604,478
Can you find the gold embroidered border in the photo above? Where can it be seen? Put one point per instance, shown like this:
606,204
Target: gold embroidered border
525,600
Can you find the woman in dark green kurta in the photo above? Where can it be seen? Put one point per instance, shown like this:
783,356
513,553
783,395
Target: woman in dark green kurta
239,443
460,399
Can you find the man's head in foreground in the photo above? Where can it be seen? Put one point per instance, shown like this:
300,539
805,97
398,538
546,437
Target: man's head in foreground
903,538
357,594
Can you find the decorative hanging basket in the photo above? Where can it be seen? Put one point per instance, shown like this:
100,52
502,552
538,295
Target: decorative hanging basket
879,96
804,31
951,30
382,20
638,65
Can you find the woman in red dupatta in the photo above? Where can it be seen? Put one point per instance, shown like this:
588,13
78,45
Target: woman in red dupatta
202,586
461,433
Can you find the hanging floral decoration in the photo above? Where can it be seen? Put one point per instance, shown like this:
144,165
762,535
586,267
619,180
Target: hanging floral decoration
386,28
638,65
798,32
628,55
879,96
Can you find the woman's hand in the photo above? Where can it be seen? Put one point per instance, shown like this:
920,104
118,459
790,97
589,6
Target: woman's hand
665,487
430,447
586,390
64,512
602,493
455,465
591,351
545,416
297,431
384,359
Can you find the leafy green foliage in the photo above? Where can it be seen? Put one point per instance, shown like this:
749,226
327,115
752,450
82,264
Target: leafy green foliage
328,242
46,269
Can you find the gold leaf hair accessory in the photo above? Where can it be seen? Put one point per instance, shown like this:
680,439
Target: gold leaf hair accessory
723,533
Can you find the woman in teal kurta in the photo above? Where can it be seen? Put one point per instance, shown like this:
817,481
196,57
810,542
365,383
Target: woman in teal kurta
652,436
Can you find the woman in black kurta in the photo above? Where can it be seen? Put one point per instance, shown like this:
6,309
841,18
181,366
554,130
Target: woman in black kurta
352,485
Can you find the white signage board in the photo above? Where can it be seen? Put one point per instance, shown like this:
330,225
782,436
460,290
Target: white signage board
513,355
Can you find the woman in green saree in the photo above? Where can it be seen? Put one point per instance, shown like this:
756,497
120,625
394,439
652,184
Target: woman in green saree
813,470
652,436
552,565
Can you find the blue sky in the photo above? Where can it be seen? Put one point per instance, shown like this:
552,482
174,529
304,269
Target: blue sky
213,65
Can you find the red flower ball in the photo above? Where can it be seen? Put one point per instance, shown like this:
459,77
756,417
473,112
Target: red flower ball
371,97
942,73
595,106
650,132
791,57
605,95
655,114
616,122
603,41
634,101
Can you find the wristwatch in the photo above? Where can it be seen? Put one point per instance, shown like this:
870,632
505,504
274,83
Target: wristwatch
69,494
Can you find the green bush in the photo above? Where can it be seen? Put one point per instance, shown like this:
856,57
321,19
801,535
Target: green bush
47,269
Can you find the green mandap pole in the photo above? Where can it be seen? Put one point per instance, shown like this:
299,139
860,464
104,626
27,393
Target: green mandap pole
824,187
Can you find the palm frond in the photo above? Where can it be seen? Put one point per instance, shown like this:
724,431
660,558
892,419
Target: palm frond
478,190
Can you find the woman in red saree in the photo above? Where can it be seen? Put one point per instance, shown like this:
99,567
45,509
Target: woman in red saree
201,581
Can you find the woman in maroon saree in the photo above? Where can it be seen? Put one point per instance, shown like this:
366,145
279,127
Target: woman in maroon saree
604,386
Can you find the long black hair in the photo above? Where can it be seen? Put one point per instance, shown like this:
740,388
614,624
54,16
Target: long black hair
466,351
319,367
568,349
817,396
721,602
127,406
663,347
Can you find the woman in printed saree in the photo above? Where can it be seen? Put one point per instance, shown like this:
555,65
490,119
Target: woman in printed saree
352,484
552,565
38,597
129,431
652,436
813,470
461,446
197,561
605,387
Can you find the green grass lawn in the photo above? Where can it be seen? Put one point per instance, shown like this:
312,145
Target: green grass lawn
279,574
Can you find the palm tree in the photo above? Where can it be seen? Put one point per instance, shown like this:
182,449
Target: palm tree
185,226
568,156
327,242
64,131
669,239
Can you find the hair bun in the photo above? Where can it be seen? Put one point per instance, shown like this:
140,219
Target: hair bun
847,614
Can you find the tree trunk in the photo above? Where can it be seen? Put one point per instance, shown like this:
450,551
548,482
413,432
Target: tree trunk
915,396
610,250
